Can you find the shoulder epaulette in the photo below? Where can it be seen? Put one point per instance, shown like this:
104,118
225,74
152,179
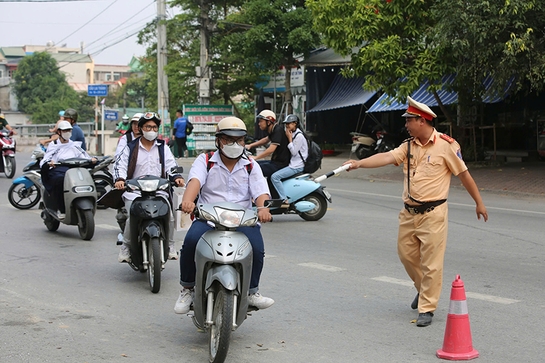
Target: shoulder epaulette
449,139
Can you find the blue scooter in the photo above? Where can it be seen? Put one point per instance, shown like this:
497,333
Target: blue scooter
26,191
306,196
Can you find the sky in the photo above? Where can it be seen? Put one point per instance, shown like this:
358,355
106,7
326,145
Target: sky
109,22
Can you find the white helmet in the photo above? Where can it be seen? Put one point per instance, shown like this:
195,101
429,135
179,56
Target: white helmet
231,126
64,125
136,117
267,115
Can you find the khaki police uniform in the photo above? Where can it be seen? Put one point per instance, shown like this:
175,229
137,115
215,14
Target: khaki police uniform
422,236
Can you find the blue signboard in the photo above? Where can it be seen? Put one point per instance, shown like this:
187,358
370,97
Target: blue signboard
110,115
99,90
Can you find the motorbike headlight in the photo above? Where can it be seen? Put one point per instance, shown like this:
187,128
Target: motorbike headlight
84,189
229,218
148,185
250,222
207,216
164,186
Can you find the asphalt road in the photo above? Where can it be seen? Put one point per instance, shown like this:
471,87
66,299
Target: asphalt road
341,293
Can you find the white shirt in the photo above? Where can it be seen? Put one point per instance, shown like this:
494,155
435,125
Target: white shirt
298,145
123,142
59,151
147,163
221,185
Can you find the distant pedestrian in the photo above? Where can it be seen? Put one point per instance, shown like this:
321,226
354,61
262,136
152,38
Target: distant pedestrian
179,133
429,159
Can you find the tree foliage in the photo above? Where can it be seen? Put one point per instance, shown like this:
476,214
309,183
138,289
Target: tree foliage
396,44
41,88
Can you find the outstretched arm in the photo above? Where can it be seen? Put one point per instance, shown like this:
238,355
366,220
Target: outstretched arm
374,161
473,190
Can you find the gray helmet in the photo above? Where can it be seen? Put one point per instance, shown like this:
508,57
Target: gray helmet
71,114
291,118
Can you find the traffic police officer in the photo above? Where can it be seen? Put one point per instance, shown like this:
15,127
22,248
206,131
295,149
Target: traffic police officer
429,159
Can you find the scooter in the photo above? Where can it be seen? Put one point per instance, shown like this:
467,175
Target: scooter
306,196
103,179
26,191
223,259
8,152
363,145
149,227
79,199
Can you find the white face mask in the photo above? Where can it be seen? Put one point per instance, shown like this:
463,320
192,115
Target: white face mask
66,135
233,151
150,135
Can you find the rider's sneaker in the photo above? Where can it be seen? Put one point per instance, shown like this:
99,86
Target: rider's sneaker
60,215
124,254
172,253
259,301
184,301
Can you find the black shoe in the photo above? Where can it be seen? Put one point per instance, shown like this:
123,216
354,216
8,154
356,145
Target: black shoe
424,319
414,304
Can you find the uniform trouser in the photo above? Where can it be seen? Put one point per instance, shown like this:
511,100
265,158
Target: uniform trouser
127,231
187,253
421,244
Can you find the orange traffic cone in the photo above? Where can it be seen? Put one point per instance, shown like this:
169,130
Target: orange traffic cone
457,343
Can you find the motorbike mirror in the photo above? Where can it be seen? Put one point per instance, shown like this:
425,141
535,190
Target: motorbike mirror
273,203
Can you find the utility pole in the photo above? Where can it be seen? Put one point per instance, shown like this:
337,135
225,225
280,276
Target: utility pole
162,80
203,71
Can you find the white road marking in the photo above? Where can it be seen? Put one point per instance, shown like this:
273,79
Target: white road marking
496,299
107,226
473,295
450,203
322,267
392,280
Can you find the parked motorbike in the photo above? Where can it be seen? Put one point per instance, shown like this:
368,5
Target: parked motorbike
307,197
223,260
7,144
79,199
379,141
149,227
26,191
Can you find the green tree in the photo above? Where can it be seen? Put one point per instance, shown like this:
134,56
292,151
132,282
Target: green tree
41,88
396,44
274,34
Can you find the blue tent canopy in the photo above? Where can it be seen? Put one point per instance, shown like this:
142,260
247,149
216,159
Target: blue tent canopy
387,103
344,92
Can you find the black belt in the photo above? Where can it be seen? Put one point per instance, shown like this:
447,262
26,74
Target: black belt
424,207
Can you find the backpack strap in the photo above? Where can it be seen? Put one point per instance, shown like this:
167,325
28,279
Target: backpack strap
301,155
210,164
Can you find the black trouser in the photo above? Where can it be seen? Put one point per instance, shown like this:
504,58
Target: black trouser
182,147
269,167
53,180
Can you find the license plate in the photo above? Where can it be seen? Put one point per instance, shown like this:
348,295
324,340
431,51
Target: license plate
327,195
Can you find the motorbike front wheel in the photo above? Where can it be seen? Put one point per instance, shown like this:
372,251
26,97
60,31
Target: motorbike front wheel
155,262
320,209
86,224
364,151
220,331
22,197
103,184
9,168
51,223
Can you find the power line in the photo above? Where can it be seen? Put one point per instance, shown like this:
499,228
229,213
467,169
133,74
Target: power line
118,29
78,29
